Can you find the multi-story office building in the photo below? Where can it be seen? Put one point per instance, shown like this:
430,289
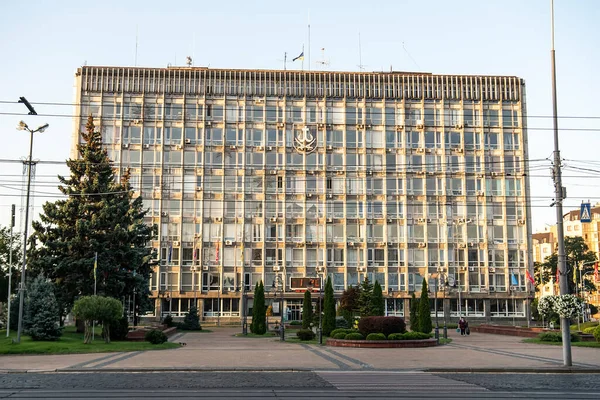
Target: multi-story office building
251,174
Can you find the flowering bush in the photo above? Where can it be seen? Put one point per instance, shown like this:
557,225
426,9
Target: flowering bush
567,306
546,305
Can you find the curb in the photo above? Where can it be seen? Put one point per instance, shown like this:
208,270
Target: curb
556,370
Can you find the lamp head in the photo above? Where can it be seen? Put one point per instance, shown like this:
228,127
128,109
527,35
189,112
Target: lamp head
22,126
42,128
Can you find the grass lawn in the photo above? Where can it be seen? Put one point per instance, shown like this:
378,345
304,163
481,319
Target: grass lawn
72,342
584,325
254,335
574,344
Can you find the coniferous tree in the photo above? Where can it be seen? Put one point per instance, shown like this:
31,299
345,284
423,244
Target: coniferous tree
328,309
99,216
377,303
42,316
425,324
191,321
5,245
414,313
365,299
307,310
259,311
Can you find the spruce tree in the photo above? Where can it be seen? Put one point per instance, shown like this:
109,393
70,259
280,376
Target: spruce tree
365,299
377,303
414,313
191,321
42,316
99,215
425,324
328,309
307,310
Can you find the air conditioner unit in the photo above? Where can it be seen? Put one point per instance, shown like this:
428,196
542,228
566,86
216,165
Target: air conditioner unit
208,123
164,214
472,244
157,188
276,268
521,222
273,172
420,125
390,150
422,245
259,101
369,172
198,188
176,243
360,126
260,148
205,268
429,220
459,150
232,147
329,147
228,243
273,219
458,126
178,147
350,244
126,145
361,269
390,220
513,288
420,220
391,243
461,220
462,245
329,196
269,148
471,269
495,173
309,195
137,121
492,289
399,127
188,141
480,193
419,150
321,126
280,125
492,269
329,219
219,219
146,146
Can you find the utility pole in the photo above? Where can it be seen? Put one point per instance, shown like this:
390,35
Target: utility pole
559,196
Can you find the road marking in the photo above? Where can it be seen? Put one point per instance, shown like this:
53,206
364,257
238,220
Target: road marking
347,358
325,356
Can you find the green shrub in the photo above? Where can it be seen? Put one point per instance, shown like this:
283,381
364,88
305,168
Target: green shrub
354,336
575,337
296,323
415,336
305,334
119,329
550,337
155,336
589,330
596,333
376,336
340,330
168,321
340,335
385,325
191,322
452,326
341,322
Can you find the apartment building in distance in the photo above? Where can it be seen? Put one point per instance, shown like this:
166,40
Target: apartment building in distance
270,175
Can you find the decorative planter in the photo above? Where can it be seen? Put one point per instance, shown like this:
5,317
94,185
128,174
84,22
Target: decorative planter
381,344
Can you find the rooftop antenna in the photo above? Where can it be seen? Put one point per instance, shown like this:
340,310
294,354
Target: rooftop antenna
323,62
308,42
413,60
188,61
136,45
284,60
361,67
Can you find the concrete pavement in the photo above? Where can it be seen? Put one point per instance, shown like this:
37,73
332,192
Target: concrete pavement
220,350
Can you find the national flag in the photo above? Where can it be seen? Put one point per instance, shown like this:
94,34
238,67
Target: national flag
596,272
557,275
217,253
95,266
513,280
300,57
529,277
194,254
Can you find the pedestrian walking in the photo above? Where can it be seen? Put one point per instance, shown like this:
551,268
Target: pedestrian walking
462,324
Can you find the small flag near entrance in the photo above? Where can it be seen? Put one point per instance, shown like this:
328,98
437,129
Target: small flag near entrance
170,252
557,275
529,277
217,253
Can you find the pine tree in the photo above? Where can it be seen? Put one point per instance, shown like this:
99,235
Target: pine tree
99,216
191,321
42,316
425,324
377,303
365,299
259,311
307,310
328,309
414,313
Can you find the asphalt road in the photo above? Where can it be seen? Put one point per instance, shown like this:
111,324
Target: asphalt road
297,385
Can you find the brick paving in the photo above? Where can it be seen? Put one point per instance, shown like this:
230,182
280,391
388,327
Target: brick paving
221,350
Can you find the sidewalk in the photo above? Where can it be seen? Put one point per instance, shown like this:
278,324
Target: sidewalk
220,350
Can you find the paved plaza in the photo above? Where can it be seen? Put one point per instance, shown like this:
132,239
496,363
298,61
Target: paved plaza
220,350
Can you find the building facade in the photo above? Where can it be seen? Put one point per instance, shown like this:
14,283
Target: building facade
253,174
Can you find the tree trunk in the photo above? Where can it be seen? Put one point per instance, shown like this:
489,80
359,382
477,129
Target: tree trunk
80,324
87,336
106,331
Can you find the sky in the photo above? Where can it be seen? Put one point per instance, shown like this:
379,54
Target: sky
43,43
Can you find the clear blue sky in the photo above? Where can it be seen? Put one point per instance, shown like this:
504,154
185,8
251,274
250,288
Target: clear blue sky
44,42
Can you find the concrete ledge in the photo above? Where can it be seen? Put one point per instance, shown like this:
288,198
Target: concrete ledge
507,330
381,344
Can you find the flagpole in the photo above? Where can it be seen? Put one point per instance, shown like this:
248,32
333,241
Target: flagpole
308,40
302,58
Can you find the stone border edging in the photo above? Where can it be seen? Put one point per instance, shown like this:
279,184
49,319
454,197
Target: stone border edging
381,344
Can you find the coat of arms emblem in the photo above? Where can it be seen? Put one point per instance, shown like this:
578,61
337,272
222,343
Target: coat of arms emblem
305,142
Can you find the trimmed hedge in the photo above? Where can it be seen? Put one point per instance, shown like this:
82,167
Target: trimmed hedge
305,334
596,333
408,336
340,335
155,336
589,330
376,336
384,325
354,336
340,330
556,337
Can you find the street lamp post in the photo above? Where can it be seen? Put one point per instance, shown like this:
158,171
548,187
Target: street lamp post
443,283
10,244
276,282
23,127
320,272
435,288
